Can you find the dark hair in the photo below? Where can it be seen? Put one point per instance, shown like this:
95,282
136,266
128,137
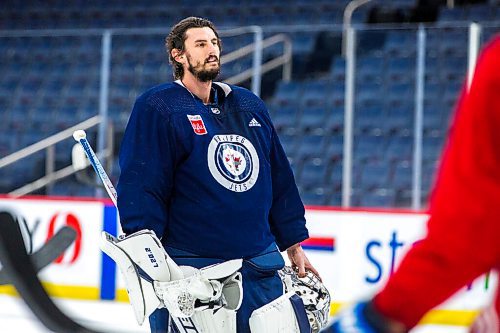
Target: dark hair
177,37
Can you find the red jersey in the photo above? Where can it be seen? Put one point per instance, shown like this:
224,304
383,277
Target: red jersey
463,238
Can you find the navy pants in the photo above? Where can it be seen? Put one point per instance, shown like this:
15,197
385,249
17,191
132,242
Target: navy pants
261,284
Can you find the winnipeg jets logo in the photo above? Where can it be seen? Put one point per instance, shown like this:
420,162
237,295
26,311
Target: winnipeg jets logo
233,162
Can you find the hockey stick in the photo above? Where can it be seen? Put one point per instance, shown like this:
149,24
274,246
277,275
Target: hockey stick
181,325
18,266
81,137
49,252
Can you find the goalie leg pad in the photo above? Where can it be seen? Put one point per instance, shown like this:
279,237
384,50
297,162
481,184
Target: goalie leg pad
141,260
279,316
207,321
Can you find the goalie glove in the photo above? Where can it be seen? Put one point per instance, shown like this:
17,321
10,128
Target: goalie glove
313,293
362,318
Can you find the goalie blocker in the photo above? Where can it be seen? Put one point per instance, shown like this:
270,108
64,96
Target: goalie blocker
202,300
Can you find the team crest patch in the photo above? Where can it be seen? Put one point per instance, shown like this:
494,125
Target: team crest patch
197,124
233,162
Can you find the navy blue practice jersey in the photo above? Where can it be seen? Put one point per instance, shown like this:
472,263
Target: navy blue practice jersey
209,179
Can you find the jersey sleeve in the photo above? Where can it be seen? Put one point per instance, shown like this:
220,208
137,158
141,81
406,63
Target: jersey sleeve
147,156
463,229
287,219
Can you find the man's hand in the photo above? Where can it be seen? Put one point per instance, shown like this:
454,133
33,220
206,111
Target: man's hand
299,260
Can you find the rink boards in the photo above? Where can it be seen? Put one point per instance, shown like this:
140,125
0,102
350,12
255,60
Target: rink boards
355,251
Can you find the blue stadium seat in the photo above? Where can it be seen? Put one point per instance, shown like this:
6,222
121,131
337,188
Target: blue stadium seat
453,67
313,173
400,43
314,197
334,123
451,94
285,117
378,198
432,93
334,198
368,93
402,176
336,97
451,14
368,147
303,42
398,69
370,68
337,69
429,170
434,123
313,119
399,148
432,148
334,176
399,120
314,92
369,119
374,175
289,143
333,149
452,43
7,143
287,93
481,12
310,146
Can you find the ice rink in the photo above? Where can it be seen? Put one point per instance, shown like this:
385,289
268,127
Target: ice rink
104,316
112,317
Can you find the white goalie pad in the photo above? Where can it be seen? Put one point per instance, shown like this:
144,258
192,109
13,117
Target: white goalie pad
207,321
211,287
191,295
141,260
275,317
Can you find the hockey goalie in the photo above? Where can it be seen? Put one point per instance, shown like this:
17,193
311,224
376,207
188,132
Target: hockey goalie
206,300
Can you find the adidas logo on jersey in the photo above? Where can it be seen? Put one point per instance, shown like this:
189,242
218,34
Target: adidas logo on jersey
254,123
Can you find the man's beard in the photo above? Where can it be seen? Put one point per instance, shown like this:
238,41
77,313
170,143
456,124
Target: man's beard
203,75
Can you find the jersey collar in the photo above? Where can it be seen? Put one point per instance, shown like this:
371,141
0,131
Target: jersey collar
214,92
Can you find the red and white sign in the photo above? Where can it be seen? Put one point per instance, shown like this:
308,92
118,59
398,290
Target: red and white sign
59,220
197,124
80,264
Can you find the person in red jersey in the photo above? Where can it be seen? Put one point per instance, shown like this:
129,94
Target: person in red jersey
463,236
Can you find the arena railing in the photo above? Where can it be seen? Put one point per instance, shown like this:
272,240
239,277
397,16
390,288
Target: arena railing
48,144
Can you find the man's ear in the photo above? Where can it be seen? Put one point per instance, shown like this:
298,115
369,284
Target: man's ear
178,56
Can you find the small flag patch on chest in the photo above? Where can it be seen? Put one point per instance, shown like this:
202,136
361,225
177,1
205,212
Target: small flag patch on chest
197,124
254,123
